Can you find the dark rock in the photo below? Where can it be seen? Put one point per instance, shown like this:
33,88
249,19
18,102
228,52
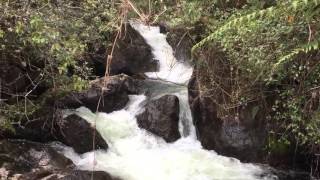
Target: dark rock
79,134
161,117
112,95
270,173
181,42
16,79
24,160
182,39
87,175
21,157
68,174
242,137
163,26
48,123
42,126
132,55
72,131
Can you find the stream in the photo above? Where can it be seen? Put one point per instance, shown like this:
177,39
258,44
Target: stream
136,154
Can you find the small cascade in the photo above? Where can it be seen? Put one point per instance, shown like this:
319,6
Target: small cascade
170,69
135,154
186,127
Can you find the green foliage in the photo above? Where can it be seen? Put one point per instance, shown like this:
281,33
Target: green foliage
14,113
297,125
258,52
188,13
53,40
57,34
279,16
251,50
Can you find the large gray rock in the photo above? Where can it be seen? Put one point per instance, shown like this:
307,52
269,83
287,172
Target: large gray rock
242,137
24,160
181,42
161,117
104,96
48,123
85,175
67,174
79,134
132,55
72,131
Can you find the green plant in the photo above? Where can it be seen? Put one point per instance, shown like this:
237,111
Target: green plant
50,41
267,54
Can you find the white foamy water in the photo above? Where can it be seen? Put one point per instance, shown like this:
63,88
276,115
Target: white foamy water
135,154
170,69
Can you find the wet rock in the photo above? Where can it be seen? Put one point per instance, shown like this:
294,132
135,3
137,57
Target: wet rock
180,41
25,160
78,133
72,131
161,117
68,174
104,96
242,137
132,55
163,26
48,123
279,174
21,157
86,175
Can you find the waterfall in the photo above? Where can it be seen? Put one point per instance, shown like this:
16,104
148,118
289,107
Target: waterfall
136,154
170,69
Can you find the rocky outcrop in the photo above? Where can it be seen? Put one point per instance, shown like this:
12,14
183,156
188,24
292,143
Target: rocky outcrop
23,160
67,174
48,123
20,157
180,41
72,131
161,117
270,173
79,134
102,96
86,175
242,137
131,56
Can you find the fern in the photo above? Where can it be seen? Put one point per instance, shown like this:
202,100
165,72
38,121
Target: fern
275,11
233,23
312,46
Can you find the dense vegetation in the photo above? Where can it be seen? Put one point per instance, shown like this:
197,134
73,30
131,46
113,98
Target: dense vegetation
268,54
251,51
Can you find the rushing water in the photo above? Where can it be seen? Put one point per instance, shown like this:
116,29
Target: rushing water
135,154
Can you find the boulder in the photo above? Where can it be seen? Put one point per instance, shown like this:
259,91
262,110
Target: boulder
21,157
48,123
161,117
25,160
180,41
72,131
241,136
131,56
86,175
67,174
270,173
78,133
111,95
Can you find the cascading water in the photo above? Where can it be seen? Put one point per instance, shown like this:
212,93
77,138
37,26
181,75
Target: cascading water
135,154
